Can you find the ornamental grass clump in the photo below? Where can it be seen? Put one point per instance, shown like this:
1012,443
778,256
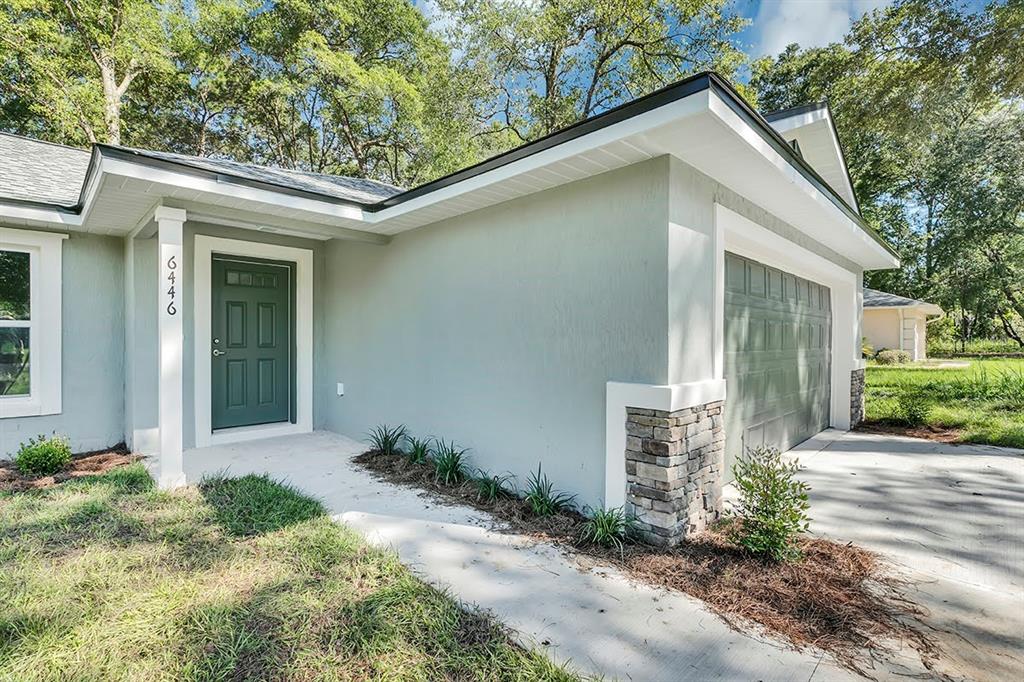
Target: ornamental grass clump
418,449
384,439
491,488
449,462
608,528
42,456
542,497
772,509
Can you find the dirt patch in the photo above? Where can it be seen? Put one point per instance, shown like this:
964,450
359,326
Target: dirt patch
941,434
840,598
82,464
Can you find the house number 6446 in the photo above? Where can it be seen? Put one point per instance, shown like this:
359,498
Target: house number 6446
172,265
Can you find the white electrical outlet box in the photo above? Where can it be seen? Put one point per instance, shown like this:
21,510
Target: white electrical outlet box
341,389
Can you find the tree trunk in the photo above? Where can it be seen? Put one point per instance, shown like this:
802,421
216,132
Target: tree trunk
111,102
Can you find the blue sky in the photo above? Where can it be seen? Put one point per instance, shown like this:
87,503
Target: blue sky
811,23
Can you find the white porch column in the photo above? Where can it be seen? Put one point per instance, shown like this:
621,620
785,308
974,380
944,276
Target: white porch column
169,223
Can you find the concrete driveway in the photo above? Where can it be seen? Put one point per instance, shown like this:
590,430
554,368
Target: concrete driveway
952,515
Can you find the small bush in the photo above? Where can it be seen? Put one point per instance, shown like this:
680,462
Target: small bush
419,449
542,498
490,488
911,406
773,505
42,456
608,528
385,439
866,349
892,357
449,463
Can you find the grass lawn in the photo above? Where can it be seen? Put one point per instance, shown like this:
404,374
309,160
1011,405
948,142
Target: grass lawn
107,578
984,402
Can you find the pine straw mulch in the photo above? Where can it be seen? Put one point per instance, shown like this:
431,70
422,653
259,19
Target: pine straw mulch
840,598
940,434
82,464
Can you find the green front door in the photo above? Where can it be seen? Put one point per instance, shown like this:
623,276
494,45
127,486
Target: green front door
252,342
778,338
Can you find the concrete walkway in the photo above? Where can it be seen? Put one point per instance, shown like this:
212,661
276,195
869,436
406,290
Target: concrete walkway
592,618
952,516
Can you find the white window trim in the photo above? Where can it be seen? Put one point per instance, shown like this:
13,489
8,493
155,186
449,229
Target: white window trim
45,278
205,247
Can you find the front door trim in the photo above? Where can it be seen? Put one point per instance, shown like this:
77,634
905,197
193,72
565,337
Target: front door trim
205,247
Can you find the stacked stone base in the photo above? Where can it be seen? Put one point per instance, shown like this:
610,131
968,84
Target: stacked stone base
674,469
857,379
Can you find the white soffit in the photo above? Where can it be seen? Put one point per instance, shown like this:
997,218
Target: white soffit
815,134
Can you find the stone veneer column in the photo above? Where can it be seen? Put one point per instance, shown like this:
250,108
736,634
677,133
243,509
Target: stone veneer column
856,397
674,469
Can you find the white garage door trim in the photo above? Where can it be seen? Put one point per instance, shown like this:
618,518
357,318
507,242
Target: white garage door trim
744,237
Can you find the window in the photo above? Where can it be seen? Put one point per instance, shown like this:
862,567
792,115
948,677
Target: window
30,300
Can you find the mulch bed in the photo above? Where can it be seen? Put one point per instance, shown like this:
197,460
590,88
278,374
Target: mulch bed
840,598
940,434
82,464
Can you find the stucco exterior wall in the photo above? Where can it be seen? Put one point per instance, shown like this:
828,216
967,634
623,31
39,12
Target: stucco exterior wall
882,327
92,340
500,328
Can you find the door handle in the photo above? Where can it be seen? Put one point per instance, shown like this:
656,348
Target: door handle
218,352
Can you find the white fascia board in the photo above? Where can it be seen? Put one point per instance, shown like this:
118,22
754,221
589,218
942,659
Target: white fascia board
185,180
823,118
42,214
861,247
637,125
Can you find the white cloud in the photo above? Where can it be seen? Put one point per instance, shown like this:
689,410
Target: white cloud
810,23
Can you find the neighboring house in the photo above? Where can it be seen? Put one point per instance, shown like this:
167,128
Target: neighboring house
896,322
661,257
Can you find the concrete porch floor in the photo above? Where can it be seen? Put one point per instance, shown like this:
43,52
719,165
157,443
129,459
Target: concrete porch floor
592,618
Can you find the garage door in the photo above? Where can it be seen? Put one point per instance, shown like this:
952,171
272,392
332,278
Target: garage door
777,357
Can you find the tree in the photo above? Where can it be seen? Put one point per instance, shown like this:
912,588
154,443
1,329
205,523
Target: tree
71,63
917,90
554,62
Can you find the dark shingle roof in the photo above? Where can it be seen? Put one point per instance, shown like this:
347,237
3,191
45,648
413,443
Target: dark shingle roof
880,299
338,186
32,170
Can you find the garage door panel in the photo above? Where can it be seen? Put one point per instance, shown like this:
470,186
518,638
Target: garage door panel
777,357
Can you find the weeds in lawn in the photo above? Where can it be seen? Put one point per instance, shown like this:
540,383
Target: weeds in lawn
385,439
254,505
449,462
419,449
541,495
490,488
608,528
912,406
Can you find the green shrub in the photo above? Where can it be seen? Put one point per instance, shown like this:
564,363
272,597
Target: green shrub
385,439
887,356
542,498
449,462
911,405
772,507
419,449
490,488
866,349
608,528
43,456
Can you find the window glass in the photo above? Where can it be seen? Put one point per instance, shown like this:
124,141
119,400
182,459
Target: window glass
14,361
14,285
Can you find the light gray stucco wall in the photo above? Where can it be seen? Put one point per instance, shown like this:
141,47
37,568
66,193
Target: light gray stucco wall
144,405
92,349
500,328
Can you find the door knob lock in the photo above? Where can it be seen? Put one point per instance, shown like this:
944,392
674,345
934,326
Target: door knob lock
218,352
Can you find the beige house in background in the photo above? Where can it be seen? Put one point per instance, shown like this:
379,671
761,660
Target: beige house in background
898,323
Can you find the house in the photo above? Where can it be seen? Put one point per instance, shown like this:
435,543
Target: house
898,323
678,260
